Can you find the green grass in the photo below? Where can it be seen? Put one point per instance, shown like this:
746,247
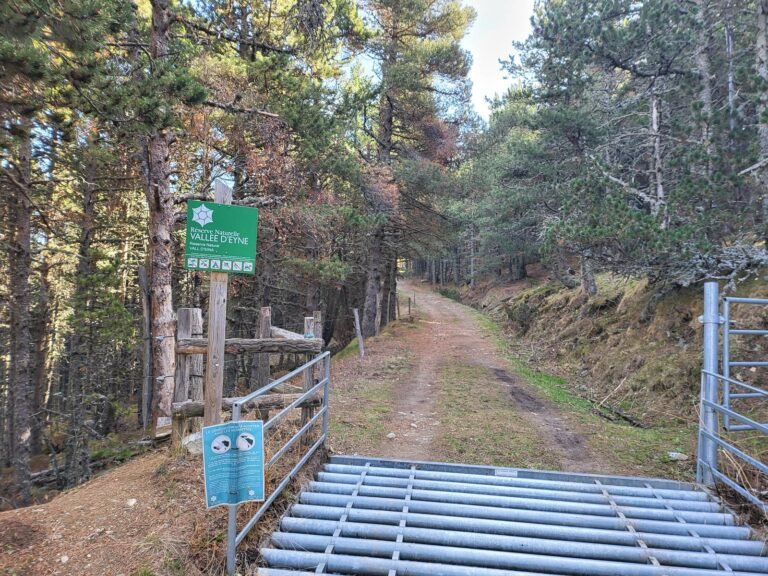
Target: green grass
348,351
553,388
112,447
632,450
360,423
480,426
373,405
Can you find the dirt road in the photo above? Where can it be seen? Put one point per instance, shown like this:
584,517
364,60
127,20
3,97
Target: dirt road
454,397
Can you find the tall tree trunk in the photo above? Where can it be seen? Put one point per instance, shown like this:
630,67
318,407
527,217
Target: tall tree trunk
373,282
77,458
588,283
392,282
705,79
385,294
472,255
658,207
386,129
42,331
21,378
389,299
156,167
761,49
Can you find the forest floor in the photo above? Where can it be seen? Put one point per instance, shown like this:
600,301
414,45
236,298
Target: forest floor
441,385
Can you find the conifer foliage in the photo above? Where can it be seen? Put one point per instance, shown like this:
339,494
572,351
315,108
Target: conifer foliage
630,141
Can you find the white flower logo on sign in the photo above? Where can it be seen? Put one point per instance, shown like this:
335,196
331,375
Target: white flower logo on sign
202,215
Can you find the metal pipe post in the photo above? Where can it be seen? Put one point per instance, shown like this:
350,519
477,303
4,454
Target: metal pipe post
326,391
231,539
707,453
232,517
726,357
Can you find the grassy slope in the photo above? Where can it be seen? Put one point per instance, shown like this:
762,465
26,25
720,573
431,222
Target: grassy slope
619,348
630,450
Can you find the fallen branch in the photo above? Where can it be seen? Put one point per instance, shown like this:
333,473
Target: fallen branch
192,408
253,345
617,412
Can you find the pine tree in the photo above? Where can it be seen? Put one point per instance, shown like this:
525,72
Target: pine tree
423,77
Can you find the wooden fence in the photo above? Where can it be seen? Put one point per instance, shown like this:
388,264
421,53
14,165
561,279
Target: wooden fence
188,403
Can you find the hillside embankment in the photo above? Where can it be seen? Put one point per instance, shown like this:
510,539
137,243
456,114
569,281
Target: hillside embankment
627,349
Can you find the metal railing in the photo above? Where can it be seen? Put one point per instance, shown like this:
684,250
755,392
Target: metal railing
235,537
728,363
717,412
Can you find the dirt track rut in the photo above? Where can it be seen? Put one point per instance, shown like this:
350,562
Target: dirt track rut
449,337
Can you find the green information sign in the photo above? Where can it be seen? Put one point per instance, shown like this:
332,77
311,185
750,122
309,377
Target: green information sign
221,238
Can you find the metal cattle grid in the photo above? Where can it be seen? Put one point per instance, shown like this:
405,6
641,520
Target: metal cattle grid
385,517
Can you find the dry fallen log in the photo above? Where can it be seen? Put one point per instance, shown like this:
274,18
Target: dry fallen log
191,408
253,345
285,334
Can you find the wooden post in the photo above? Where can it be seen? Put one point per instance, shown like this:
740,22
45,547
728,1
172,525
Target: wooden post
195,370
359,333
217,329
309,380
317,330
265,331
190,324
409,307
263,360
146,384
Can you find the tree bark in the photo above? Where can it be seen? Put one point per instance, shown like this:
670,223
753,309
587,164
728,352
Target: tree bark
156,169
705,78
588,283
386,129
392,285
21,380
386,294
373,282
42,327
761,49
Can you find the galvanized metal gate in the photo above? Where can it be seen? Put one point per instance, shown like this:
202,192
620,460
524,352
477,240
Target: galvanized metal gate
724,415
369,516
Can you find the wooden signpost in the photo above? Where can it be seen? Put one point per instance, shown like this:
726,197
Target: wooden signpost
217,328
221,239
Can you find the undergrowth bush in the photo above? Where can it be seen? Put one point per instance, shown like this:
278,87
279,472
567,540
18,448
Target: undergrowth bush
451,293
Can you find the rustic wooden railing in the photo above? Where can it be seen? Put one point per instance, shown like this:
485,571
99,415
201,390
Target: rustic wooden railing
191,347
